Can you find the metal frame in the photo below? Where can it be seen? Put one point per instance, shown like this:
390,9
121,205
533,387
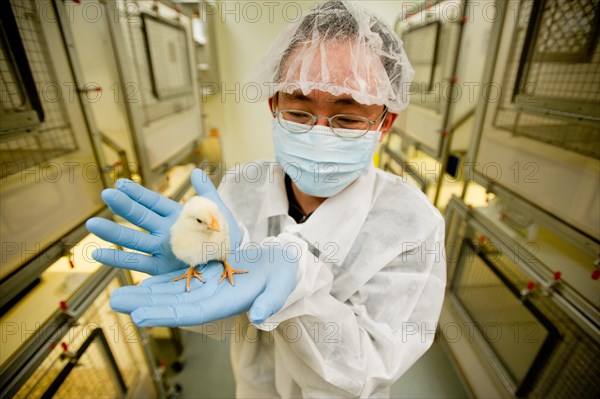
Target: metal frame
487,79
17,60
95,135
134,118
400,160
153,70
207,53
121,153
577,317
152,178
13,285
434,61
560,110
545,351
96,335
565,231
417,144
529,52
21,365
144,334
448,127
585,315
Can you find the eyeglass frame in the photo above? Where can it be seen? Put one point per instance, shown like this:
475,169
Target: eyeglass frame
315,118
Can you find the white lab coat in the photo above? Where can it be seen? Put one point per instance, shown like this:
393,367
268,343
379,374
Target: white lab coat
371,282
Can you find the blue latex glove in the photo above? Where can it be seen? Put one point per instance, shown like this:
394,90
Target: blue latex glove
159,302
155,214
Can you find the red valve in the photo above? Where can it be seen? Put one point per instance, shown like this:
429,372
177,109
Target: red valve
64,346
52,345
98,88
482,239
464,20
557,275
596,274
63,306
525,292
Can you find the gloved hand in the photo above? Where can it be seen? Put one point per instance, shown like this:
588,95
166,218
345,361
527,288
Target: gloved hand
155,214
158,301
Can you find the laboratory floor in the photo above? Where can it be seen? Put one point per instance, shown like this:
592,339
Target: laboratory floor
207,373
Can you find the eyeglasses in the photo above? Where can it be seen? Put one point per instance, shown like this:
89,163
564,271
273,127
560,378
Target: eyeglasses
343,125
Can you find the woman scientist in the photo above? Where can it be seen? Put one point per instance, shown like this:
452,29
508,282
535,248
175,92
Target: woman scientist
346,264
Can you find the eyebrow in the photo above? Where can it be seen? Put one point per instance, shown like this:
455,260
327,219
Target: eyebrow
302,97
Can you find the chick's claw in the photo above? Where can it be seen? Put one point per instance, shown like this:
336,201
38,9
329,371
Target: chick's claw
189,274
229,272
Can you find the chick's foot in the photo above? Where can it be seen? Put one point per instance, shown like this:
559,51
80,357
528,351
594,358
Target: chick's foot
229,272
189,274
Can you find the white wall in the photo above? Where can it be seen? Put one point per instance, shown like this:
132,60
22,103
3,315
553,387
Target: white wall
243,37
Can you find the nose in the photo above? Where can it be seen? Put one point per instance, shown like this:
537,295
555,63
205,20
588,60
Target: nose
322,121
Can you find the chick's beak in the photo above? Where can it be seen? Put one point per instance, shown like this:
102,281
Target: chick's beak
214,225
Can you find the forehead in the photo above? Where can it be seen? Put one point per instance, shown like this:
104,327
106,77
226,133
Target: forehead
341,63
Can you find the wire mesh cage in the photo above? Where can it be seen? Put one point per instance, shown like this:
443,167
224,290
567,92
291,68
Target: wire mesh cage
91,378
98,357
422,46
517,335
168,53
538,347
554,68
19,101
26,146
155,77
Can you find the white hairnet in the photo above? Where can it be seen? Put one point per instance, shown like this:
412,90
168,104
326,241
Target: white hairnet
340,48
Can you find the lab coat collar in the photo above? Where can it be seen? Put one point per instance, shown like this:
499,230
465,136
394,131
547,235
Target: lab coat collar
335,224
276,202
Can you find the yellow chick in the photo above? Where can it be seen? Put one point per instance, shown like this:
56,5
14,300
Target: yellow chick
199,235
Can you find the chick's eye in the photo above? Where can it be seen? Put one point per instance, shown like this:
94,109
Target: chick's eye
198,220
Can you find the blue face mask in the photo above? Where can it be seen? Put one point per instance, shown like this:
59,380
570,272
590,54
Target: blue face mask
321,163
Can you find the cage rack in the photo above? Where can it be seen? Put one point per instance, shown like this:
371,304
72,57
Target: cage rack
485,262
153,91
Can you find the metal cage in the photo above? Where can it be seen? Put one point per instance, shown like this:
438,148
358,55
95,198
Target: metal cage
540,341
149,70
421,44
34,124
554,67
